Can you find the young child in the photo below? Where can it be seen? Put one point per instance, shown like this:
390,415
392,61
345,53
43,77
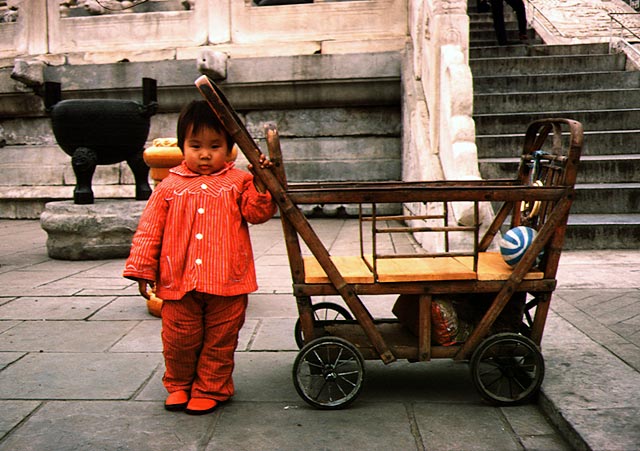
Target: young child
192,246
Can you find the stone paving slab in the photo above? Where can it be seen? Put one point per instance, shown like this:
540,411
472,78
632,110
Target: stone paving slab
597,330
100,425
64,336
455,427
70,285
593,397
153,390
280,426
597,270
438,381
247,334
125,308
6,325
273,279
585,376
144,337
53,308
627,352
601,425
274,334
7,358
272,306
114,354
68,376
13,412
593,315
21,283
130,290
265,377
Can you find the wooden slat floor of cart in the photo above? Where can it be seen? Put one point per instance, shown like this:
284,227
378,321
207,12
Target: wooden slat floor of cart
491,266
415,269
354,269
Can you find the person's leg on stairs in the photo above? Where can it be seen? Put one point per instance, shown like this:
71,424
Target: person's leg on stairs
521,15
497,11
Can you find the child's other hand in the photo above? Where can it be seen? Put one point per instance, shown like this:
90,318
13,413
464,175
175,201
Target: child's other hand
265,163
144,286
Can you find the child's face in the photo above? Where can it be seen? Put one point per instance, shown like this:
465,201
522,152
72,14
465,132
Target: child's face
205,152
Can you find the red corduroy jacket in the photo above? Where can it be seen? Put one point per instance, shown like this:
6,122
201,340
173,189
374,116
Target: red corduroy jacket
193,234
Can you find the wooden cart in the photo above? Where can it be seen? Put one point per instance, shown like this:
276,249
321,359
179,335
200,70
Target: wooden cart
507,367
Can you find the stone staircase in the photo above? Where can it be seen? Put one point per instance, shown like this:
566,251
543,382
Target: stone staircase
517,84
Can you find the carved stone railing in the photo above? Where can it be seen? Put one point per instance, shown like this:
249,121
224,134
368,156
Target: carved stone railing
82,8
458,151
94,26
442,145
9,11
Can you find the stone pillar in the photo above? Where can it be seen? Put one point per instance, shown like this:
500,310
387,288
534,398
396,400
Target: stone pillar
34,29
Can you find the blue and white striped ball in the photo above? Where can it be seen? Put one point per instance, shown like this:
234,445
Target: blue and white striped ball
515,243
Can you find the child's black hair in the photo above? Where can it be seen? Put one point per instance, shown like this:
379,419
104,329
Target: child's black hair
198,114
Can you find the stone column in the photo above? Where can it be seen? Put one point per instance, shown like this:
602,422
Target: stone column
33,17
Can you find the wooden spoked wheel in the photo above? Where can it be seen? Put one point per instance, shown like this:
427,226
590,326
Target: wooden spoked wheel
328,373
323,312
507,369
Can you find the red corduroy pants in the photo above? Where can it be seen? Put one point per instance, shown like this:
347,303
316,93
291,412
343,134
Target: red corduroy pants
199,338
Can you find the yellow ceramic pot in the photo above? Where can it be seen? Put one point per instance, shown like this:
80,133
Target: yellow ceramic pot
154,305
163,155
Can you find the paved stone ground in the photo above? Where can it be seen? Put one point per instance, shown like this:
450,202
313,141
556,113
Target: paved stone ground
80,365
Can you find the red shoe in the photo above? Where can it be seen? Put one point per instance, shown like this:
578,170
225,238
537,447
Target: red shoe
176,401
201,406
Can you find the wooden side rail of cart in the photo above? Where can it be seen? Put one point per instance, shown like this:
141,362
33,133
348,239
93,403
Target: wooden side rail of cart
540,197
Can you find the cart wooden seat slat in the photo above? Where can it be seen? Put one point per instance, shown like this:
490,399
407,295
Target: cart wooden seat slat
357,270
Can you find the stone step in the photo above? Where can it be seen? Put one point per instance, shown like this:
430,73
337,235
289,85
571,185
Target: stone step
592,120
614,142
482,32
596,189
35,174
489,34
519,102
485,18
477,18
603,231
613,198
593,169
48,165
537,50
560,82
581,82
534,65
514,42
485,23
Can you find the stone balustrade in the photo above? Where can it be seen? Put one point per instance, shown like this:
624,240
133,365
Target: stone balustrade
51,27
